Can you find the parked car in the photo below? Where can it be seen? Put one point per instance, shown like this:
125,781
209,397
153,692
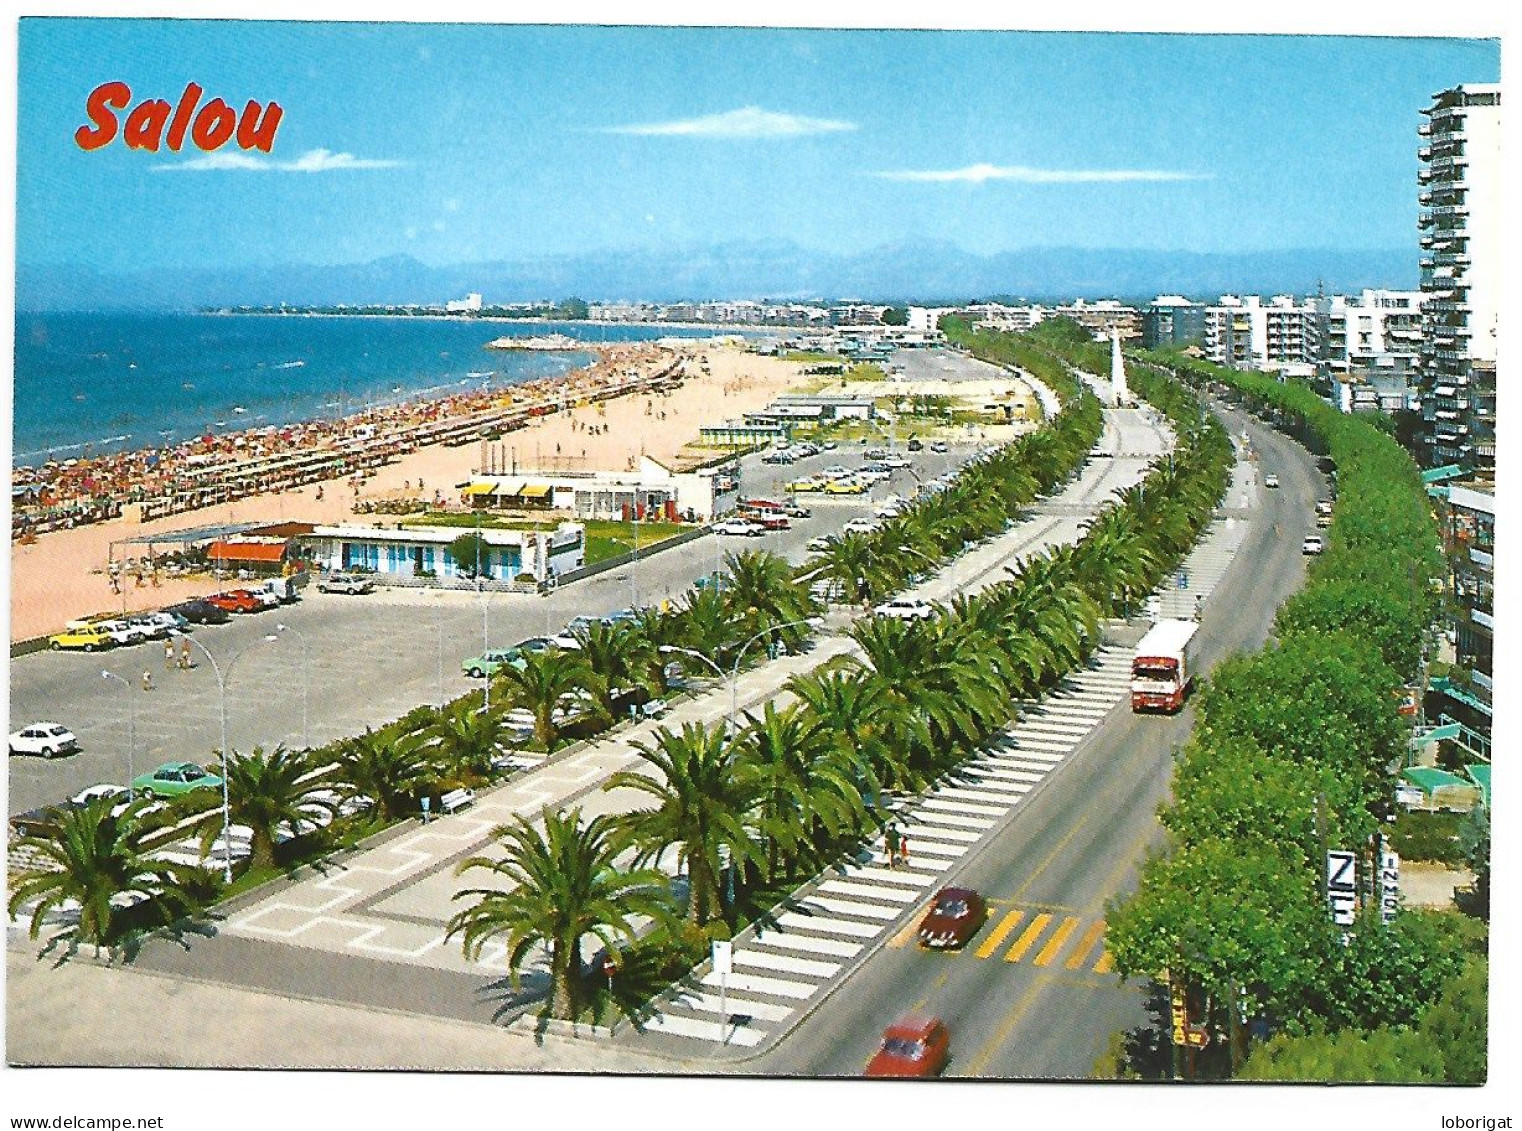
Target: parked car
820,545
915,445
806,449
345,583
235,601
199,611
845,487
829,445
781,455
912,1046
875,453
267,598
1271,481
953,919
807,483
174,779
47,739
835,471
740,527
488,663
1312,544
158,625
45,820
906,608
793,510
894,460
774,522
90,638
940,446
859,526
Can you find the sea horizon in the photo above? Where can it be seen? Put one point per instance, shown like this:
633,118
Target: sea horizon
91,383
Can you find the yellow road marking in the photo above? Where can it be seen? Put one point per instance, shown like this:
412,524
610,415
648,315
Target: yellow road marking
1104,964
1085,944
1028,939
908,932
1056,942
1001,932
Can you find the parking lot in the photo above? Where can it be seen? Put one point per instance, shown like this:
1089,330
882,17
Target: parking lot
344,662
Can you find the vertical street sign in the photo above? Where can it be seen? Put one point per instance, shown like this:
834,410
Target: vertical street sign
1342,886
1389,885
723,963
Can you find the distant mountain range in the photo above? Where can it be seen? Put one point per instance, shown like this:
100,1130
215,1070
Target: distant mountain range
905,271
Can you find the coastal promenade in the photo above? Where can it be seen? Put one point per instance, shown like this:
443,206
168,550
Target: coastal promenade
62,574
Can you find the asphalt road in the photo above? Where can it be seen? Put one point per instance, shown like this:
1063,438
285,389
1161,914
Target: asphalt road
1048,1011
347,662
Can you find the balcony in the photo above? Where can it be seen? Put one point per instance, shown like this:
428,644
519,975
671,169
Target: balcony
1424,130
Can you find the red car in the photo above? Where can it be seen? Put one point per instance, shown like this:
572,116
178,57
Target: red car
912,1046
956,915
236,601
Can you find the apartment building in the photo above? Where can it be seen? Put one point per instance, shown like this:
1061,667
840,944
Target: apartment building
1460,196
1374,331
1281,334
1172,320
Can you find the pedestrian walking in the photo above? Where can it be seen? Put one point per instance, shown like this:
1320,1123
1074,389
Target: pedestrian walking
903,849
147,680
890,839
185,655
168,655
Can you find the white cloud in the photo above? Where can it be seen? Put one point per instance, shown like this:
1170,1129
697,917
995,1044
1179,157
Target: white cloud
978,174
750,122
312,161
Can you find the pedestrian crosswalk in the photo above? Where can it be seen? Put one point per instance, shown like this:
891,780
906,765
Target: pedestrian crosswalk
779,967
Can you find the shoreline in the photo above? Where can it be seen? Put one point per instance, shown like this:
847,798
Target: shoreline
62,573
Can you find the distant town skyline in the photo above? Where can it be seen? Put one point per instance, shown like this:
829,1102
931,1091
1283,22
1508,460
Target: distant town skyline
471,143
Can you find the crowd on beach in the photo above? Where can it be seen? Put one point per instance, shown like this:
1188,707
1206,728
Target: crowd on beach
220,466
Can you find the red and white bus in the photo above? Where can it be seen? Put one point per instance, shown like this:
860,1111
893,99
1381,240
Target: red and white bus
1162,671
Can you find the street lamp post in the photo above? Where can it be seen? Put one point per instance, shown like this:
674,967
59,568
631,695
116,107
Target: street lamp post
227,841
306,731
733,676
131,723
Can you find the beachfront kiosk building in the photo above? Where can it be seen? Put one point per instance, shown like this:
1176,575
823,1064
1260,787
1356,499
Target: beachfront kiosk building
653,490
411,554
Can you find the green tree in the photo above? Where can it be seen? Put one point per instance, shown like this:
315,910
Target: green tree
465,739
1458,1024
621,656
1380,1056
804,791
274,793
97,861
895,316
546,684
470,554
561,885
871,728
764,596
391,773
1222,913
701,804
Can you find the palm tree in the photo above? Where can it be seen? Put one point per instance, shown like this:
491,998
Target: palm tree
543,684
806,791
701,805
269,792
390,773
620,654
763,594
96,861
853,561
650,631
863,720
707,623
465,739
562,885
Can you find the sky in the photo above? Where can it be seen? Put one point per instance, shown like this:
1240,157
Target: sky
462,143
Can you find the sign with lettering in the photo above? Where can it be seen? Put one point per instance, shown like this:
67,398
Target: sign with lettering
1342,886
1389,885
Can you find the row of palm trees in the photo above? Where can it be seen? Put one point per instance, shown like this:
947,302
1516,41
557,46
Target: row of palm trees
750,815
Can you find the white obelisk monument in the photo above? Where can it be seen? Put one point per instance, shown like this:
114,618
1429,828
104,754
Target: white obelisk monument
1119,396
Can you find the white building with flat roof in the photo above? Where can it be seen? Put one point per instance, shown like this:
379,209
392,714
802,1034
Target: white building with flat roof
470,304
417,552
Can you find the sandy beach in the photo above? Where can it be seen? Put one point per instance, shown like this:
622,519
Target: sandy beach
62,574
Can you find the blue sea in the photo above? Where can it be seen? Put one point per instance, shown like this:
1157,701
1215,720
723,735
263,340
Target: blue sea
88,384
